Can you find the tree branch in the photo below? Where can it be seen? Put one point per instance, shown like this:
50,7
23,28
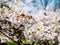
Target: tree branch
8,37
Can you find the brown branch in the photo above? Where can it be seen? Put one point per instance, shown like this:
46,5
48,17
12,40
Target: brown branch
7,36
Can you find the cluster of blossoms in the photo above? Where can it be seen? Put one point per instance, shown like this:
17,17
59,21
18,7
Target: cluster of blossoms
43,26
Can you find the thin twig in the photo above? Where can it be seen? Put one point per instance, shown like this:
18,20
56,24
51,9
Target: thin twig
7,36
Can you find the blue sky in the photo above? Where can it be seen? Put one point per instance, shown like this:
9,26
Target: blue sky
40,4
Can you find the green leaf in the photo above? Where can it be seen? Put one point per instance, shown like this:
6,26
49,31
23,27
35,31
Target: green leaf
0,34
11,43
6,5
1,11
56,43
34,43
